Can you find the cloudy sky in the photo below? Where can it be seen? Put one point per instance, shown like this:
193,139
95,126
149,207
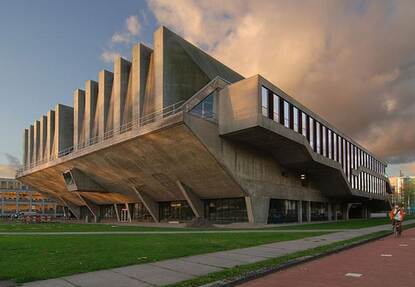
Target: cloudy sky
353,62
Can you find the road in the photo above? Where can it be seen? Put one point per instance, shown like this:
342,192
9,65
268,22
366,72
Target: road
386,262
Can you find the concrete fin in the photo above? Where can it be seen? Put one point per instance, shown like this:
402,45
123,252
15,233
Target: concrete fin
119,90
105,82
25,146
50,134
64,128
192,199
30,144
36,141
91,99
43,136
78,118
151,205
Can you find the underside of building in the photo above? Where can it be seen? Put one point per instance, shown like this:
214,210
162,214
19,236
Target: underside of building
174,135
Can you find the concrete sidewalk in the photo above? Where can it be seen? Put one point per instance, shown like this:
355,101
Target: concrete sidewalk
175,270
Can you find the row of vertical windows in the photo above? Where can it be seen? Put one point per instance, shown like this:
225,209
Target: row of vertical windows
325,141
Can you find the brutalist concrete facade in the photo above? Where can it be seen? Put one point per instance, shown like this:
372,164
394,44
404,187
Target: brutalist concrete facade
175,135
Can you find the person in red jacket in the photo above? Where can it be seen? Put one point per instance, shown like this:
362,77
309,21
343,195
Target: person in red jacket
397,215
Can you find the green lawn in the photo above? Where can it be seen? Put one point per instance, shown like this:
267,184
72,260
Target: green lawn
62,227
28,258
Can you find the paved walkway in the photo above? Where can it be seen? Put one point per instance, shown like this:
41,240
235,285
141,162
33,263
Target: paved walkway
176,270
385,262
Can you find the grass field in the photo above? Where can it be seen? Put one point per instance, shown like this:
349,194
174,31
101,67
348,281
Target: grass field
28,258
68,227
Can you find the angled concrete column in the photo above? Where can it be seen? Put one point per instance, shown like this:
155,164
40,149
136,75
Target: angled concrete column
25,146
257,208
91,99
63,129
116,212
151,205
78,118
50,133
192,199
121,76
43,135
104,99
93,208
30,148
75,209
127,206
300,211
36,141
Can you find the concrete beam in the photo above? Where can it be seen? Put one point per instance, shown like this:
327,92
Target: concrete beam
192,199
75,209
121,76
91,100
63,129
36,141
50,134
30,148
104,123
25,146
151,205
78,118
43,135
257,208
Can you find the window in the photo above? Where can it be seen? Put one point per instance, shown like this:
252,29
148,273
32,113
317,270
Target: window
329,143
286,114
276,101
318,137
324,141
281,210
175,210
205,108
295,117
226,210
334,146
264,94
311,122
304,123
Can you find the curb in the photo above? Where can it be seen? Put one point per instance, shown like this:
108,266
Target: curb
291,263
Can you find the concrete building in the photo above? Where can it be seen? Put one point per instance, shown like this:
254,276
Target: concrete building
175,135
16,197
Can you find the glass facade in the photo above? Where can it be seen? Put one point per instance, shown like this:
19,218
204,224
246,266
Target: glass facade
282,210
319,211
325,141
226,210
175,211
206,108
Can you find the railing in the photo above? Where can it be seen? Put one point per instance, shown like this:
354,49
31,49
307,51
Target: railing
108,136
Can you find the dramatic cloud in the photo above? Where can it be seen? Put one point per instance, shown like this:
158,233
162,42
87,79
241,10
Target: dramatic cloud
353,62
128,36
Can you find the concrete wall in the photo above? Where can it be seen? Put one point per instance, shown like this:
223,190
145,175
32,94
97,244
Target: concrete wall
43,137
119,91
91,100
50,134
64,128
104,99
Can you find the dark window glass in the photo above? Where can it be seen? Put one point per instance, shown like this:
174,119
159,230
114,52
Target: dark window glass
226,210
205,108
319,211
175,211
282,210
